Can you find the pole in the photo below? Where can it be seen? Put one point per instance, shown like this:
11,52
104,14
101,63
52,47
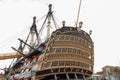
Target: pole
78,13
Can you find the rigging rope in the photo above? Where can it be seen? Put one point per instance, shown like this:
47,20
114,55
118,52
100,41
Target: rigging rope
11,38
57,20
40,19
55,23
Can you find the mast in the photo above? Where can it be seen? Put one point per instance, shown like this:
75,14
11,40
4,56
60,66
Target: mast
78,13
49,20
33,31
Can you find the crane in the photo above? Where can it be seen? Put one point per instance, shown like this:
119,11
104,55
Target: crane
4,56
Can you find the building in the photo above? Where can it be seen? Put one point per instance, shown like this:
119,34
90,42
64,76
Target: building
110,73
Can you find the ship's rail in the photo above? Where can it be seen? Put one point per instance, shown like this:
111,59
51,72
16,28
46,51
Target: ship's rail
3,77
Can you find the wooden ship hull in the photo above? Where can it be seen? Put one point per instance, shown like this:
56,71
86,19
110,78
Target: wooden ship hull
67,54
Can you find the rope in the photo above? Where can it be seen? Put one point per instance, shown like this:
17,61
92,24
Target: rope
57,20
40,19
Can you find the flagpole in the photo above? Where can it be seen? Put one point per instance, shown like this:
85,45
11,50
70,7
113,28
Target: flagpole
78,13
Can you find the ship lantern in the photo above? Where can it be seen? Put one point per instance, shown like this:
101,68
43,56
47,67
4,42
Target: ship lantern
90,32
63,23
80,24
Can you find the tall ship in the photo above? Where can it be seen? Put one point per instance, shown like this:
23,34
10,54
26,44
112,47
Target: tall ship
66,54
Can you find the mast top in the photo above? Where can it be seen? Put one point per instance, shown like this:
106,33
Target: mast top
33,27
34,20
50,9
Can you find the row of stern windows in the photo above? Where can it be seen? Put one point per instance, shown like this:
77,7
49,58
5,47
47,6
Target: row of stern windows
68,63
74,39
70,51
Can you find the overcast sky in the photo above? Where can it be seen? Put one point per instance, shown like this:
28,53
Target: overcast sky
100,16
